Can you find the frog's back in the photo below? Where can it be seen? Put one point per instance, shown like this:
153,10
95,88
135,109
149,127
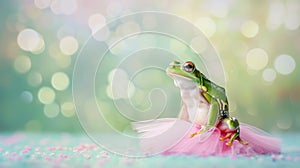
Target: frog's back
215,90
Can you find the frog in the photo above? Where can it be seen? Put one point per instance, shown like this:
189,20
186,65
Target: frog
216,113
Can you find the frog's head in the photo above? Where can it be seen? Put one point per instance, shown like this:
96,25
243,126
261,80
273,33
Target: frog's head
186,70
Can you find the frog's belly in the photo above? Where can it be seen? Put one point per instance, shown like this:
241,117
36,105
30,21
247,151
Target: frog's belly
201,115
197,107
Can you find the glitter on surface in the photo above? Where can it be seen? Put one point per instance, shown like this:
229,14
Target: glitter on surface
76,150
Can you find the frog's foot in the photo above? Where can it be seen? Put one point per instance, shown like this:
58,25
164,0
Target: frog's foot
225,137
242,141
232,138
222,139
203,129
229,143
195,133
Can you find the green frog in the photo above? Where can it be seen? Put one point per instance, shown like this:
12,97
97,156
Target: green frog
204,102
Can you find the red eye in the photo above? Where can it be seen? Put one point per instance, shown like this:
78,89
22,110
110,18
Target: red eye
188,66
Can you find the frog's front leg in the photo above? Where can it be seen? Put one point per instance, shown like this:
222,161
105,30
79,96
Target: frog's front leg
212,116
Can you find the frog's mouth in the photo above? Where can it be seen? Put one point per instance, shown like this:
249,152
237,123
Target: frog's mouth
182,82
174,75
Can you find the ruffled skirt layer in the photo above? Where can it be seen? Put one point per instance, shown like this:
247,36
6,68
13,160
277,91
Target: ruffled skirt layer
171,136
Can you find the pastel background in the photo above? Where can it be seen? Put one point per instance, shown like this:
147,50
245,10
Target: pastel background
257,41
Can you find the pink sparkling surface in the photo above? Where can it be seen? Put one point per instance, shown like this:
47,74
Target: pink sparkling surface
57,150
75,150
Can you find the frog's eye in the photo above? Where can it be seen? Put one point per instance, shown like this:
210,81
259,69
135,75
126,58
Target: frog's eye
188,66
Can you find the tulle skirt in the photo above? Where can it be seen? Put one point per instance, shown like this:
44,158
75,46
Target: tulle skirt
171,136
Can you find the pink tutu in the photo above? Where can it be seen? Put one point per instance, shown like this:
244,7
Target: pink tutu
171,136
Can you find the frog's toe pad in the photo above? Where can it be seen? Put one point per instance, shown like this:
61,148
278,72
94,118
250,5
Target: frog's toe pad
244,142
192,135
229,143
222,139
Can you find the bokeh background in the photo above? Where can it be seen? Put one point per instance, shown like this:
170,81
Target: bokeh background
257,41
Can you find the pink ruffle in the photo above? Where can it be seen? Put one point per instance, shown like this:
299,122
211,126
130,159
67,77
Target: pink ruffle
205,144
